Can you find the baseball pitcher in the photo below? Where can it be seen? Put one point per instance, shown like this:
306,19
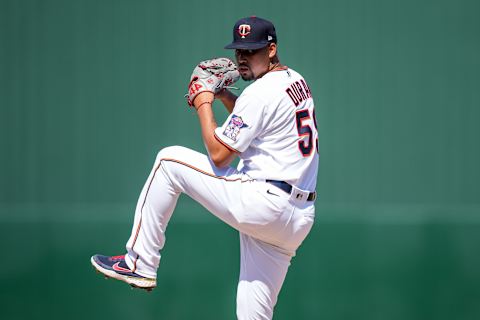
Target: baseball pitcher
269,198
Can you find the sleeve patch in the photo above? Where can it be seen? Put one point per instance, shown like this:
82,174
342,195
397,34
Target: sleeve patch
233,128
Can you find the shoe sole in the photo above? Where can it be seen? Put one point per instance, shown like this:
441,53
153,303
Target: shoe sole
135,282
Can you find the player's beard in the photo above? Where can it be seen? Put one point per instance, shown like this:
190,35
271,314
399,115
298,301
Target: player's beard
245,72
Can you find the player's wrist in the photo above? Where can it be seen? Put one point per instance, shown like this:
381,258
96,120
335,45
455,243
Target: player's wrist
205,103
203,99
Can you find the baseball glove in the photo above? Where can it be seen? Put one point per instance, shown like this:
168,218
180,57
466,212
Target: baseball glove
211,76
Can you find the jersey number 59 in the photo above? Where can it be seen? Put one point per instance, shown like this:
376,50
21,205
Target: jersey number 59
305,130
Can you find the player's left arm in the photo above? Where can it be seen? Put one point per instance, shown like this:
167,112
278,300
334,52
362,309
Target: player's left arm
220,155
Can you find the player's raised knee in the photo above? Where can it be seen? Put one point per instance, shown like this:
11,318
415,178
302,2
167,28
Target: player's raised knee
172,152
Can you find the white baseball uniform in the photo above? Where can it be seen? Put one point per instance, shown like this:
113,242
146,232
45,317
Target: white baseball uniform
273,129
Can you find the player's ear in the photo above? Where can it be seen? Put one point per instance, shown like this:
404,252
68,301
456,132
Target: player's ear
272,50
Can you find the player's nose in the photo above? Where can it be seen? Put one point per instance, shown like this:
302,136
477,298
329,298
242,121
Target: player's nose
241,60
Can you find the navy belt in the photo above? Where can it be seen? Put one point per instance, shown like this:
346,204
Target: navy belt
288,188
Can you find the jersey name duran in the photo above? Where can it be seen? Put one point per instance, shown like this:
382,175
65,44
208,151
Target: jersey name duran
273,127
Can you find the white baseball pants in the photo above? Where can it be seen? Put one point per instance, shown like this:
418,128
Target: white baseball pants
272,224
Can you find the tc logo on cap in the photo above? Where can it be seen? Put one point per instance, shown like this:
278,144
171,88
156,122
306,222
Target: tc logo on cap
244,30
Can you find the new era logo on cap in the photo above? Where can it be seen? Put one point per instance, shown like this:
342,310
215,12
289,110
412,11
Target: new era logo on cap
252,33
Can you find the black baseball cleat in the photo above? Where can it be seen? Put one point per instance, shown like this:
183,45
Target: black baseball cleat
115,267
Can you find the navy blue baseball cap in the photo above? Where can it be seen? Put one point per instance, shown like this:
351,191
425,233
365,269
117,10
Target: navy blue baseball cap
252,33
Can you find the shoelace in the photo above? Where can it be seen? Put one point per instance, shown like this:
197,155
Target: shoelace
122,257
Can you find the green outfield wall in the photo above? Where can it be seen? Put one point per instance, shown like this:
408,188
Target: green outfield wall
90,91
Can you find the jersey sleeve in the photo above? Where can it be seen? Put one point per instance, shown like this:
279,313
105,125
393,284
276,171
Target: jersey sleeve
243,124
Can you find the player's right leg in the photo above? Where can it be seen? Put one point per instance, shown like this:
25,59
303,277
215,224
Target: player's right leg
264,264
263,268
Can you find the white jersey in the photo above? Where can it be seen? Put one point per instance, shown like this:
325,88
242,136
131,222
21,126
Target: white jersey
273,128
